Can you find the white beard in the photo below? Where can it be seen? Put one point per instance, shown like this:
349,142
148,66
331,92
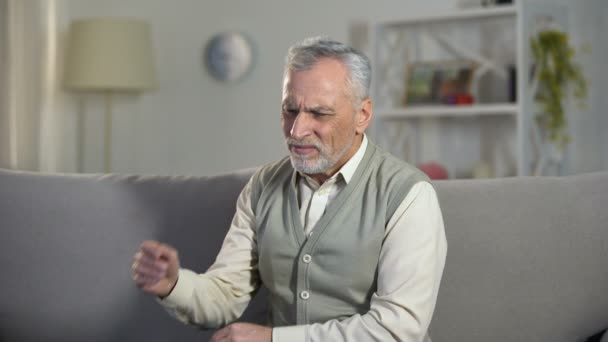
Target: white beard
322,163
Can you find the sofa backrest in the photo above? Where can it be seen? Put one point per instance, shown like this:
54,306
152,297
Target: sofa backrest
68,242
526,256
527,259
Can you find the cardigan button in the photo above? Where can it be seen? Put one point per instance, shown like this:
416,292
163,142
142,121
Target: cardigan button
304,295
306,258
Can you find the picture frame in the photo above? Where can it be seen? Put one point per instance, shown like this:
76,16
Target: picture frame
445,82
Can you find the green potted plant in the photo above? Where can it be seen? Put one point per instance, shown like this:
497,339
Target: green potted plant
557,75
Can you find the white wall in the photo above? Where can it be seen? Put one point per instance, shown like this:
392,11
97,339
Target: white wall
193,124
4,123
603,77
588,125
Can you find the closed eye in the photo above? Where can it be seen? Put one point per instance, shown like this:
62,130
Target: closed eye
320,114
291,112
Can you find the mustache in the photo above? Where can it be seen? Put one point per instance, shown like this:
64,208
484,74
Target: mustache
296,142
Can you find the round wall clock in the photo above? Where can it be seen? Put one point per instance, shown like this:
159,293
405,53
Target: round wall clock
229,56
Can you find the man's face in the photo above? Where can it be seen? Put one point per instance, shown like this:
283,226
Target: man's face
319,121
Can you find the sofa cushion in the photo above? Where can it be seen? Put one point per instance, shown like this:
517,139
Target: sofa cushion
526,259
67,246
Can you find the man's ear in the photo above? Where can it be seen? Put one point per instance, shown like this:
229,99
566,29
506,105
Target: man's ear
364,116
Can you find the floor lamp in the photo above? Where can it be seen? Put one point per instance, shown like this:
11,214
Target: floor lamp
109,56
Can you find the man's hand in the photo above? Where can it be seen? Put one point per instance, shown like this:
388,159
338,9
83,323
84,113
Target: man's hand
243,332
155,268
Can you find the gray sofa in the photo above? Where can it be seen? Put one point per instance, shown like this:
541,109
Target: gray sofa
527,257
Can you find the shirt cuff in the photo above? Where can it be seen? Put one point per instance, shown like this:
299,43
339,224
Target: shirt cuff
181,296
294,333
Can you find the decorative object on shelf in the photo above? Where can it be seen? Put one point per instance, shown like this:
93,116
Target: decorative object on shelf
499,127
419,86
229,56
483,170
512,83
439,82
555,76
496,2
433,170
557,73
109,55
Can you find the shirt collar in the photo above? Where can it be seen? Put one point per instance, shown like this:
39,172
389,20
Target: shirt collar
348,170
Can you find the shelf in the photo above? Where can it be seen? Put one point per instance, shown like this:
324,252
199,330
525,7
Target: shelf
496,131
476,13
447,111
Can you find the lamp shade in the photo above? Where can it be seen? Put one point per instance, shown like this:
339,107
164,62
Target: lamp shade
109,54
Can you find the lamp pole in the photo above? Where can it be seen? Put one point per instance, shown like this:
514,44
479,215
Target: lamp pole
108,132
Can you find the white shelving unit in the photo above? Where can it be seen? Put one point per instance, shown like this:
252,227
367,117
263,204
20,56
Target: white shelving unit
447,111
494,131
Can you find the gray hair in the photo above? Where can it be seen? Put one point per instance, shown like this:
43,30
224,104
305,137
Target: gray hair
305,54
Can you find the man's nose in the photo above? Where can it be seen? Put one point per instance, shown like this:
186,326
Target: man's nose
302,126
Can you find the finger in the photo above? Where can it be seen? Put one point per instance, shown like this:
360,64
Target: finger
144,255
142,281
150,266
160,265
221,335
150,248
167,252
145,275
146,270
158,250
142,258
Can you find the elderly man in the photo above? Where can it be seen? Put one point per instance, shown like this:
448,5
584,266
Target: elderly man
348,239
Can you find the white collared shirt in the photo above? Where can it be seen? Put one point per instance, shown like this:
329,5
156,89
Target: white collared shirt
314,198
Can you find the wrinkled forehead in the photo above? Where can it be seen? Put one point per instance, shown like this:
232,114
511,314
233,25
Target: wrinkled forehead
328,77
303,95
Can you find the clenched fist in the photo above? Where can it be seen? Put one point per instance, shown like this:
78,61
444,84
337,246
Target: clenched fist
155,268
